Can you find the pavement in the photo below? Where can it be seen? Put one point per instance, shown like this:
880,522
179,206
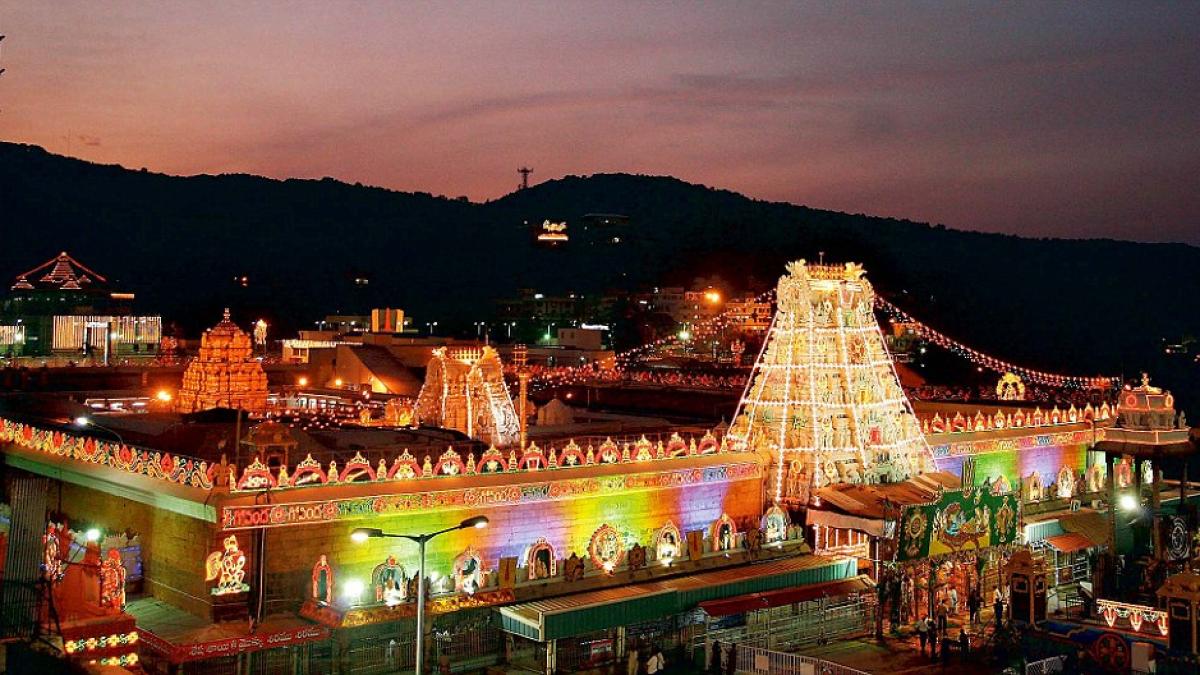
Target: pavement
901,654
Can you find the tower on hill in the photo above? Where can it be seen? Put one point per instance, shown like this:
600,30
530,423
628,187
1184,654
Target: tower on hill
824,399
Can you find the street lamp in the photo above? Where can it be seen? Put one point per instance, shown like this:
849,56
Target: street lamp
85,422
362,534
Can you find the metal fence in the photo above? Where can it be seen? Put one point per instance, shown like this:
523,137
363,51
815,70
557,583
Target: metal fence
766,662
1054,664
795,627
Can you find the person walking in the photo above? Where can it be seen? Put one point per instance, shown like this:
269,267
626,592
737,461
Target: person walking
657,662
943,611
953,595
631,662
922,633
998,606
714,660
973,605
731,659
933,644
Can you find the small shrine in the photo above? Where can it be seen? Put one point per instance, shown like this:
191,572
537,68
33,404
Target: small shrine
225,374
272,443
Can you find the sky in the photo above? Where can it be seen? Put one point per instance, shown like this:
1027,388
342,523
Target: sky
1043,119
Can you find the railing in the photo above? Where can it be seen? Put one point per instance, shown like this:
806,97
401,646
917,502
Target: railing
766,662
1054,664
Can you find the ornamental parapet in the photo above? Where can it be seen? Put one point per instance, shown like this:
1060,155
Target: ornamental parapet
533,459
157,464
257,476
1021,419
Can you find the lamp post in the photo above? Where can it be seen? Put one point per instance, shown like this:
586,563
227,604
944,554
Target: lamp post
84,421
362,534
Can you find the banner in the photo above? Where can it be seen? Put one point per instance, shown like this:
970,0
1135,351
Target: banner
970,519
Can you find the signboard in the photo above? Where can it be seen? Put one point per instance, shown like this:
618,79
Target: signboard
970,519
199,651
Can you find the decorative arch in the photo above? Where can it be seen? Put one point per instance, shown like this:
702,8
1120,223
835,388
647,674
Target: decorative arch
572,455
322,581
449,464
256,477
606,548
388,580
309,471
608,453
468,571
533,459
1066,482
775,524
708,444
358,468
404,467
492,461
668,543
724,533
541,560
643,450
676,447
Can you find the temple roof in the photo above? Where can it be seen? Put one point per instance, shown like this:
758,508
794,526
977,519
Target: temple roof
61,272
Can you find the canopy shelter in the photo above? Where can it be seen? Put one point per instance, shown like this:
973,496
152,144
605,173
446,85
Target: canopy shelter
567,616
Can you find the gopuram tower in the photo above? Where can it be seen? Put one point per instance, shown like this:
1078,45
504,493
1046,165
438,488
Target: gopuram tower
225,374
824,398
464,389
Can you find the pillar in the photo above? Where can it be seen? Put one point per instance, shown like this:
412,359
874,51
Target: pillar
1110,460
1156,507
551,656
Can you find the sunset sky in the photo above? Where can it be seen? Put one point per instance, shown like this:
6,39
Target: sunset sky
1048,119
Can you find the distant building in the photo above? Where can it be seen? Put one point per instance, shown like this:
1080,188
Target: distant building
748,314
64,308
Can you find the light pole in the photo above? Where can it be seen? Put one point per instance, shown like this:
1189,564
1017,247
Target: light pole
362,534
84,421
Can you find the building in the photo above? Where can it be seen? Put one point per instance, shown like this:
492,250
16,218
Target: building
225,374
63,308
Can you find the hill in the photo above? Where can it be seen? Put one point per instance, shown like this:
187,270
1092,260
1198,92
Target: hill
1087,306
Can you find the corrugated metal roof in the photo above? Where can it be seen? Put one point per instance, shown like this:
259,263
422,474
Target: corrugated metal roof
1069,542
568,615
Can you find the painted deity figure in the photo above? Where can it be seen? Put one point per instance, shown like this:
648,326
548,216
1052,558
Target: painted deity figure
112,581
227,568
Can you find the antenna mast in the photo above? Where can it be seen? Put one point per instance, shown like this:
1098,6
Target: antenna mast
524,171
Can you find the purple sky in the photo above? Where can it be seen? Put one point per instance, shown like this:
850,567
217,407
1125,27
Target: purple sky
1049,119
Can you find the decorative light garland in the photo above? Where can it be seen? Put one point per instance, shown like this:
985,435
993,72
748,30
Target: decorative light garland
990,362
714,324
1112,610
102,642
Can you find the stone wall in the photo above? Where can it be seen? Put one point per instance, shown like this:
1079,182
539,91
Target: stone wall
567,524
173,546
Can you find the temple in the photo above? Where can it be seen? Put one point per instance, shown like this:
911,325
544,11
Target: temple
829,501
464,390
824,399
225,373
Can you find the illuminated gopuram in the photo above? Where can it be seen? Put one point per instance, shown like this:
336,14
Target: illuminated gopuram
225,374
824,399
464,390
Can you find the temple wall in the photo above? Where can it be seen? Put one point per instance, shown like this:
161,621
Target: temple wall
567,524
173,546
1015,454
